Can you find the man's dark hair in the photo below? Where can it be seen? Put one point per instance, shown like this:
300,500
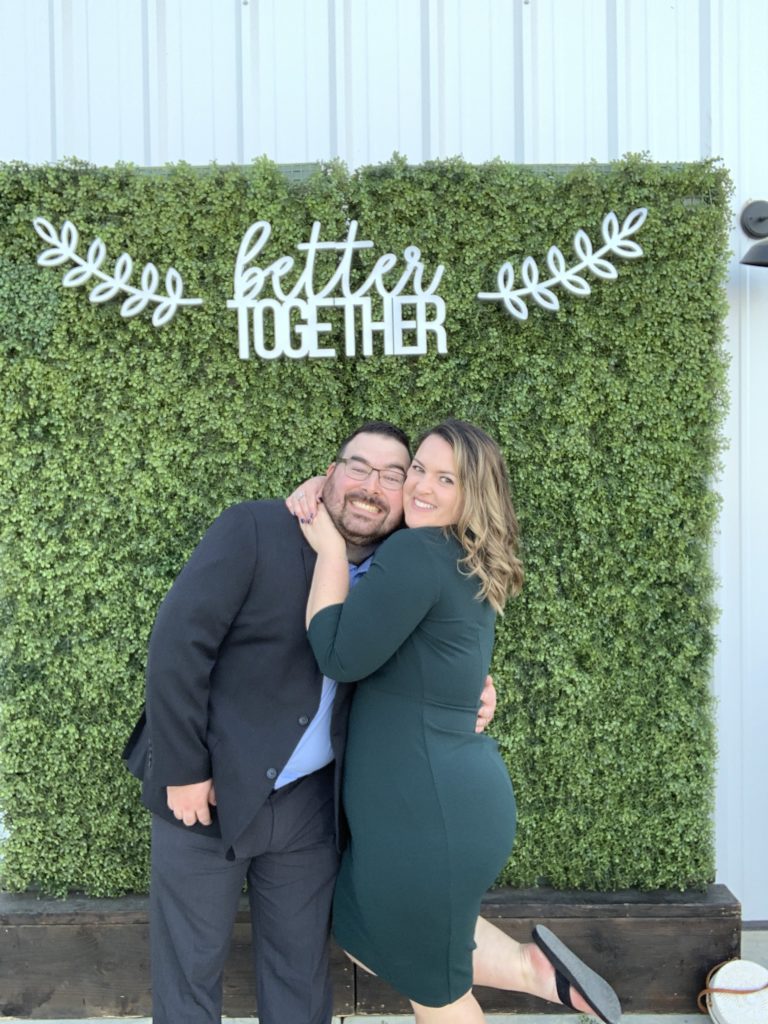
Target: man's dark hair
377,427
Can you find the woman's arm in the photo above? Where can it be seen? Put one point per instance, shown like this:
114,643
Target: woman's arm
386,606
303,502
330,580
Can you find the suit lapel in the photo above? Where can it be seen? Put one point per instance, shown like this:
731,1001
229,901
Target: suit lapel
310,558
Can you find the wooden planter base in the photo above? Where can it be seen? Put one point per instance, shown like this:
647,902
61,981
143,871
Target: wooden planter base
86,957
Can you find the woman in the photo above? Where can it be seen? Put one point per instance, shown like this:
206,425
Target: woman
429,801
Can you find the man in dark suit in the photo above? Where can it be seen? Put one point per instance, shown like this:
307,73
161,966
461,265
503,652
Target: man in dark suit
241,746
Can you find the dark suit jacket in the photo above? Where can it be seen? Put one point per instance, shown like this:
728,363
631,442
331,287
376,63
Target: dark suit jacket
231,681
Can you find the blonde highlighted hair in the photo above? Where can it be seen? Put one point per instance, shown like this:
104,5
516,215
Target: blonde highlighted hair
487,528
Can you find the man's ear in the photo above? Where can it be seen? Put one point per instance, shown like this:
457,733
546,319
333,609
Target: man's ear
331,467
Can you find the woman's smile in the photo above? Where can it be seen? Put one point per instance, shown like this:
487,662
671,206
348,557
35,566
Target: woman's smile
432,494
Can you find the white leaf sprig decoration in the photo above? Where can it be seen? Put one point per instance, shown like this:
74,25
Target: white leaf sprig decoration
617,242
63,249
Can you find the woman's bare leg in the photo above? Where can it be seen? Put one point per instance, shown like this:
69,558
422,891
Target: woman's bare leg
501,962
466,1010
498,962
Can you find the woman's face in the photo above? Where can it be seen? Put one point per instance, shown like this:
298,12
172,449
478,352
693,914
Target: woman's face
431,493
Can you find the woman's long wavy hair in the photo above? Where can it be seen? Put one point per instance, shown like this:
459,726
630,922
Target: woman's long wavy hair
487,528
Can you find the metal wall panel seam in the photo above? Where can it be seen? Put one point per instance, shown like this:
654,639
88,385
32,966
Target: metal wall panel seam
461,80
367,118
348,129
53,70
252,94
305,79
179,91
441,84
452,80
492,73
728,680
275,149
751,25
245,86
529,37
213,133
611,80
426,93
239,7
640,78
145,101
64,93
745,798
732,831
161,56
755,592
518,108
705,78
333,102
87,67
689,17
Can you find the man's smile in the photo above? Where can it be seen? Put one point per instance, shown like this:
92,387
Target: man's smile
367,505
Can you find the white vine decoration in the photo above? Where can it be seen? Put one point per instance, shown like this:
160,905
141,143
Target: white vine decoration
63,248
616,241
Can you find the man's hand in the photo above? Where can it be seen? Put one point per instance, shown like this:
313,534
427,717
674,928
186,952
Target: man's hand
192,803
487,705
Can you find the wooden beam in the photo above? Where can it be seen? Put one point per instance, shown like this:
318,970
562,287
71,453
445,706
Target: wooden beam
85,957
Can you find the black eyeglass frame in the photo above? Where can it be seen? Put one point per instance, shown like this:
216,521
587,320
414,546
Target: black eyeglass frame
364,469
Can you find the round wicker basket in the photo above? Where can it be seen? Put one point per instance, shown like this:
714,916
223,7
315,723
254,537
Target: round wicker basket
736,993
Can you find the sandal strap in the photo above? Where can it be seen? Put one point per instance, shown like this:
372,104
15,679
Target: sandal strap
563,990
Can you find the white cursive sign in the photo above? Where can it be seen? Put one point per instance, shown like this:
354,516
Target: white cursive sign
63,248
570,278
295,321
290,323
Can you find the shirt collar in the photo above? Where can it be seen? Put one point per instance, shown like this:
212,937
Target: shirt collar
356,571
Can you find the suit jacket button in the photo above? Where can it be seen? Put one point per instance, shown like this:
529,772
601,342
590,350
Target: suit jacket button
304,720
271,773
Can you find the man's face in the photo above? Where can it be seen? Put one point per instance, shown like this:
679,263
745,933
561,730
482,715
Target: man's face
365,512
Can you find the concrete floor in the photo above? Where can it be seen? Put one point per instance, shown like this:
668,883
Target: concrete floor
754,946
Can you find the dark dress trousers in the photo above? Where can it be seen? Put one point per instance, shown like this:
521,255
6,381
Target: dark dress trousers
231,687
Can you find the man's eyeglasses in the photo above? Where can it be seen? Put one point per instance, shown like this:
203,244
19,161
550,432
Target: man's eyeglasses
359,469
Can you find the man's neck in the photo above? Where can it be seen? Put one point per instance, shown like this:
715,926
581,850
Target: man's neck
356,553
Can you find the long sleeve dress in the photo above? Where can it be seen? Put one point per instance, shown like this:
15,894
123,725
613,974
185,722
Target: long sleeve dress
429,801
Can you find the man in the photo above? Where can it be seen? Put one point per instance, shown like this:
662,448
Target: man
241,746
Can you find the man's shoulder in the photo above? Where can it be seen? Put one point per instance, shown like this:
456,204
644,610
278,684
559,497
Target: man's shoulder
267,511
248,522
269,520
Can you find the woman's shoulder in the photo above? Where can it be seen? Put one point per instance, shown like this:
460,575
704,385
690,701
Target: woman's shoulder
422,541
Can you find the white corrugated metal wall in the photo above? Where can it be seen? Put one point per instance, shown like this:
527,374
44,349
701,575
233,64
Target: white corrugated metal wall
536,81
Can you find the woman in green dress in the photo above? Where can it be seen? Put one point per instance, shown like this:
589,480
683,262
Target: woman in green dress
429,801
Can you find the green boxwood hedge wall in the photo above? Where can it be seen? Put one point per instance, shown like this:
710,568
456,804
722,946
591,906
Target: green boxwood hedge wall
122,441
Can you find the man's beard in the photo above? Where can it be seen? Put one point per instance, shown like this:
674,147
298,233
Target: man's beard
349,531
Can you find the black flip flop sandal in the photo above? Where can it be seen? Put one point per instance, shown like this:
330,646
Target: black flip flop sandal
570,970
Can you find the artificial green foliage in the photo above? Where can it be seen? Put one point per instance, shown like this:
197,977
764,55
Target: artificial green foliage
122,441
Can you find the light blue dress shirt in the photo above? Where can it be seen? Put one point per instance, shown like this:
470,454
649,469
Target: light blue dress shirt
314,750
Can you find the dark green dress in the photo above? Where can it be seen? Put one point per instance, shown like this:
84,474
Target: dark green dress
429,802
